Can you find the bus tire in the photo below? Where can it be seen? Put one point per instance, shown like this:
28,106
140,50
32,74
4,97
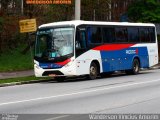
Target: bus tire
135,67
93,71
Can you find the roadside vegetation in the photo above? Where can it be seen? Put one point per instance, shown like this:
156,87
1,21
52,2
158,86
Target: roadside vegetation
144,11
13,43
14,60
22,80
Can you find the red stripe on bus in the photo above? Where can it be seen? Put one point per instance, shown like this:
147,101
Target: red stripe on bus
64,62
113,47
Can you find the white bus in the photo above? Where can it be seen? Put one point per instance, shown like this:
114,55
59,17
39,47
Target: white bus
75,48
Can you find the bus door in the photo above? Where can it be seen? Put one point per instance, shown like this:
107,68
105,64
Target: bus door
80,42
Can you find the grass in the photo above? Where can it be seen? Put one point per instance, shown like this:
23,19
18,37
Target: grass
22,79
15,61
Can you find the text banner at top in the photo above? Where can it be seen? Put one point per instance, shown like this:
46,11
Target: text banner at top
48,1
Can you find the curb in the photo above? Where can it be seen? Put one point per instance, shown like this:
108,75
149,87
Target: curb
38,81
155,67
15,74
23,82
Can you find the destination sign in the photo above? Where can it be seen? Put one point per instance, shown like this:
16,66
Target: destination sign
28,25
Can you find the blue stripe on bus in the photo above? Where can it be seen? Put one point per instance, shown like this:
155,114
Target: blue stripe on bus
50,66
122,59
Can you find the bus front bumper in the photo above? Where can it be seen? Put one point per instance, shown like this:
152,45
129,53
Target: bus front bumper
64,71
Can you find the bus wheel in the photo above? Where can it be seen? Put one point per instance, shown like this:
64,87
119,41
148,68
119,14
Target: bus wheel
93,71
135,67
60,79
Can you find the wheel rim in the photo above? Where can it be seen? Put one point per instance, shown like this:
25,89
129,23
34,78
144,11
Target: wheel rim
93,72
136,67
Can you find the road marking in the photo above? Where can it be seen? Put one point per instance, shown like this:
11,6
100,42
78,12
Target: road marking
55,118
82,92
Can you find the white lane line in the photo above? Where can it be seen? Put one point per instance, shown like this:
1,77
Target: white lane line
82,92
55,118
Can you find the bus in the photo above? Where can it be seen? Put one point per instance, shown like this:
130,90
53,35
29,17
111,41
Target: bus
77,48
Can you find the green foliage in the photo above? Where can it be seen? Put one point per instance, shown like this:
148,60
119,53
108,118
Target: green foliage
1,20
1,23
145,11
95,10
15,61
22,79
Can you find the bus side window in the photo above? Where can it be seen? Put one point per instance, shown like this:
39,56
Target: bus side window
108,35
94,35
121,34
152,35
81,40
144,35
133,34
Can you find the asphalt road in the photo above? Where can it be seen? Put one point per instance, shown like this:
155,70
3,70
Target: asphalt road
115,94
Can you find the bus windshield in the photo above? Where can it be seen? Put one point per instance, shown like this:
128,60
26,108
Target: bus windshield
54,43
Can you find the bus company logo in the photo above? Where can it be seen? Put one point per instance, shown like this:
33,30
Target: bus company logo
132,51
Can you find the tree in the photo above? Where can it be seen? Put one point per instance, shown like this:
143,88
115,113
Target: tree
10,14
1,28
145,11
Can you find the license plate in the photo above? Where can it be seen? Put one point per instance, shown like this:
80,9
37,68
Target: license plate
52,75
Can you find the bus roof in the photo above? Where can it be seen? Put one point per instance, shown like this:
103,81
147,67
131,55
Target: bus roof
81,22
